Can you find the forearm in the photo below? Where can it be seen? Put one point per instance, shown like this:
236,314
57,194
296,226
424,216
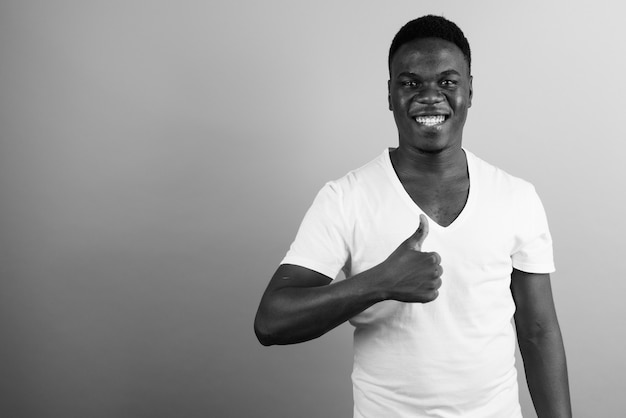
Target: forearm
300,304
546,373
297,314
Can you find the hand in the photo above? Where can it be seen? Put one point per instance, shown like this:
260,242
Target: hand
410,275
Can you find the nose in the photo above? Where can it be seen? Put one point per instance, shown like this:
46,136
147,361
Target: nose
429,95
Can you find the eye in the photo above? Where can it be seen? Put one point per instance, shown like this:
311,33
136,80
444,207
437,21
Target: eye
409,83
449,83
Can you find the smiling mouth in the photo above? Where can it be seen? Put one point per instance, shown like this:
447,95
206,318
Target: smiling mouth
433,120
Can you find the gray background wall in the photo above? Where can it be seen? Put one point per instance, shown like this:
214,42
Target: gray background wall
156,159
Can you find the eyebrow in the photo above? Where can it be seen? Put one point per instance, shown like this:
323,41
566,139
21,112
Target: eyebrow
445,72
448,72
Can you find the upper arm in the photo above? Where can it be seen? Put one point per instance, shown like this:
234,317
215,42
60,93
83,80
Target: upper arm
290,275
535,313
286,276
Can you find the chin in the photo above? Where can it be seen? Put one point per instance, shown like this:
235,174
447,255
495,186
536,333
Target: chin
431,151
432,145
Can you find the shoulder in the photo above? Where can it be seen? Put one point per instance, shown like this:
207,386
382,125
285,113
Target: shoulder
497,179
358,192
362,180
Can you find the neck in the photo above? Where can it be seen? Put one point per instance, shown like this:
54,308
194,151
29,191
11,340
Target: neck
408,161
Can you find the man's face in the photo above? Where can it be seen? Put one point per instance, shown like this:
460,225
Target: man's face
430,91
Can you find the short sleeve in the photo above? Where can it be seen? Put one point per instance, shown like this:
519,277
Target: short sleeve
320,243
533,244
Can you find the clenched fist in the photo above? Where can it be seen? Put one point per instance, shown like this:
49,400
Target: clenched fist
410,275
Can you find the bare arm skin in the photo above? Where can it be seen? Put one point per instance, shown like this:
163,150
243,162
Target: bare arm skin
541,344
300,304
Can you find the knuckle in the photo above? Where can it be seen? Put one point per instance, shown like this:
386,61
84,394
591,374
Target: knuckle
436,272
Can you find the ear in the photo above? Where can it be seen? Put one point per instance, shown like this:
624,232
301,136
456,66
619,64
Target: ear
389,94
471,91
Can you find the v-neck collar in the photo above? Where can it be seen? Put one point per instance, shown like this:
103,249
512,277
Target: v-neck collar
404,195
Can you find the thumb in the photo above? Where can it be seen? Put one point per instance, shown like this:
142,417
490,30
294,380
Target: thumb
416,240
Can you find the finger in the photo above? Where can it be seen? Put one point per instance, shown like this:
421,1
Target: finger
437,284
417,239
436,258
437,272
431,296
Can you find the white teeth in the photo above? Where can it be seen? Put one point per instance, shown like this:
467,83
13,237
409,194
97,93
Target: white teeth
430,120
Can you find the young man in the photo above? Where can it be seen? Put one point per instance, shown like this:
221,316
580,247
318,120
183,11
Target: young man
440,251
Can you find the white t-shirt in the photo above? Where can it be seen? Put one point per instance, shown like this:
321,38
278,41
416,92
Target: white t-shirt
454,356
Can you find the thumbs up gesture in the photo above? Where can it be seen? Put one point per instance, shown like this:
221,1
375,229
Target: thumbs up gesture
410,275
416,240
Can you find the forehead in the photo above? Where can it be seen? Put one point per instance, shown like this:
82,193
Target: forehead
429,55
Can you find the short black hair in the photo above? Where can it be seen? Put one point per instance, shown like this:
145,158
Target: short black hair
431,26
